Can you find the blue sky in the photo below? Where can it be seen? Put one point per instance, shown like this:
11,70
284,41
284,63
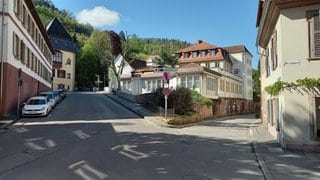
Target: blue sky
218,22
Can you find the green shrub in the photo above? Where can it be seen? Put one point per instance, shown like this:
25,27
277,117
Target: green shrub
182,120
181,100
201,99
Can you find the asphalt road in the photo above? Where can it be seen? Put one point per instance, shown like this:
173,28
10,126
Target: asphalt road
90,137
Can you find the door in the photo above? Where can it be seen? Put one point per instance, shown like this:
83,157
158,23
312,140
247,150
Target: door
317,103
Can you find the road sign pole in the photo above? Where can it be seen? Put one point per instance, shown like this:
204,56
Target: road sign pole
165,106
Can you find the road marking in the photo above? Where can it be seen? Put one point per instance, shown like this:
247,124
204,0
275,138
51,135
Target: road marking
21,130
87,172
39,144
127,151
81,134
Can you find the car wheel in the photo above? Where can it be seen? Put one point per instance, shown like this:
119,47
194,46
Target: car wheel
47,112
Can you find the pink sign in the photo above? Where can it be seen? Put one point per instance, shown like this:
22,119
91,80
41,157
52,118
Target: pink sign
166,91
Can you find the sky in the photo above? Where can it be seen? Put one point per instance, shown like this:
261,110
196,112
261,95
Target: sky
218,22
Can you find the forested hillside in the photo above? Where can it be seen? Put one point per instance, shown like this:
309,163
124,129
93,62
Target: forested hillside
143,46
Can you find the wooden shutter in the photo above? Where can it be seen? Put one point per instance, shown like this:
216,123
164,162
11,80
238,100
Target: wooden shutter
316,22
314,33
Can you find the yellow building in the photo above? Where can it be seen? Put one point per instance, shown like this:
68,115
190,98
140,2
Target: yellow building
64,60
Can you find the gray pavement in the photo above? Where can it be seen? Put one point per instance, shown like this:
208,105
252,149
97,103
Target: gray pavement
275,162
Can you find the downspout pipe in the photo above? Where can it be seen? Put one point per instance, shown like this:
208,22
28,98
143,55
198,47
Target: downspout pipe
1,50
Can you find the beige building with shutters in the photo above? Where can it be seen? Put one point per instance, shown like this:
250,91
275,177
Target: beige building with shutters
64,60
288,37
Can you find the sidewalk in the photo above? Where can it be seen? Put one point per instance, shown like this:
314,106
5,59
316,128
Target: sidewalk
275,162
8,120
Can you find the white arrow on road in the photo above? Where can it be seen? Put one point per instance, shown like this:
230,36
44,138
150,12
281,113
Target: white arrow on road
81,134
127,150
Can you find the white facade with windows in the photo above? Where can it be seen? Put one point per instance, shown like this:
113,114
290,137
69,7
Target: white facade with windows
25,54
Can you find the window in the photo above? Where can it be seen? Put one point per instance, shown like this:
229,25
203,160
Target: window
57,57
194,54
16,46
189,81
186,55
203,53
17,4
23,15
236,71
212,84
68,61
61,74
183,81
222,85
212,52
314,33
22,52
68,76
267,62
159,83
274,54
196,82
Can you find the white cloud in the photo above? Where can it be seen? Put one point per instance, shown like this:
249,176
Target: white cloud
98,16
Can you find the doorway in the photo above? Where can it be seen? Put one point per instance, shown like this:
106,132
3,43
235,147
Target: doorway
317,103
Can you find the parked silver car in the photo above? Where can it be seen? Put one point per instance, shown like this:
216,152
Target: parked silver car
52,98
36,106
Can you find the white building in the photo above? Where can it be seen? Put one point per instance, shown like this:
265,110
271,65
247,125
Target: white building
25,54
205,68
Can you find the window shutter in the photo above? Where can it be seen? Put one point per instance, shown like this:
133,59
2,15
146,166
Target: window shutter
316,22
314,26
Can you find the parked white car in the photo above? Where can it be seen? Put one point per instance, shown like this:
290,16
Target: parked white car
37,106
53,100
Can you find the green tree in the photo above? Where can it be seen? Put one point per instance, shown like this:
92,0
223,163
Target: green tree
87,66
167,59
256,83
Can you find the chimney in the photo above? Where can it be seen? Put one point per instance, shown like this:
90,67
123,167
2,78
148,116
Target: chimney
200,41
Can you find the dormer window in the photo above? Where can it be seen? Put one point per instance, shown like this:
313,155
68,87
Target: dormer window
212,52
203,53
194,54
186,55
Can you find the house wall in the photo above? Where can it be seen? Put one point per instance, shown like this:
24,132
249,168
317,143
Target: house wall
33,80
294,110
69,68
296,119
242,61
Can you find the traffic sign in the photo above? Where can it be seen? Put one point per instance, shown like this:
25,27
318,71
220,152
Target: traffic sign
166,91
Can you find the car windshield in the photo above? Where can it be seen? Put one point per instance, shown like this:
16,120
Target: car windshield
36,102
49,95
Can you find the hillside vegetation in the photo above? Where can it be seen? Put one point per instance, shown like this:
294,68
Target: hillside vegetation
143,46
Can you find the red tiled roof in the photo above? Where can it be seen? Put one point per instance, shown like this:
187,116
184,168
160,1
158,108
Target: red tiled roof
200,45
236,49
